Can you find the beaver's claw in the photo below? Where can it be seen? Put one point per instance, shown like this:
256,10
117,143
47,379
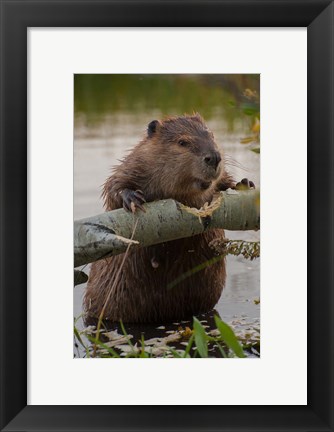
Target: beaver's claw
133,200
245,184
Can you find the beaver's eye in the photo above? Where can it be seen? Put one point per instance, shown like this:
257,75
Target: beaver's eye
183,143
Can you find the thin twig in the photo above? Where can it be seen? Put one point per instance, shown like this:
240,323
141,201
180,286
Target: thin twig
112,287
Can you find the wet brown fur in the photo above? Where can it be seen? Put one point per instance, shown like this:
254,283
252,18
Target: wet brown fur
163,168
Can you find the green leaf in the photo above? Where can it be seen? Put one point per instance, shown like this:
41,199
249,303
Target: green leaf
143,353
256,150
250,109
125,333
188,347
112,352
229,337
221,349
200,338
77,335
175,353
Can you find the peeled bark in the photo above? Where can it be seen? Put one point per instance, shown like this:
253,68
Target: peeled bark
110,233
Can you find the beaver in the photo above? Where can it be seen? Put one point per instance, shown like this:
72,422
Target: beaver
178,158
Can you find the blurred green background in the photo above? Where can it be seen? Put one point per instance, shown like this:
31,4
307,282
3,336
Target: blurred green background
211,95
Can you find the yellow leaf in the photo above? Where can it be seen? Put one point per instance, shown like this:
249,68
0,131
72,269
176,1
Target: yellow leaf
250,94
256,126
247,140
187,332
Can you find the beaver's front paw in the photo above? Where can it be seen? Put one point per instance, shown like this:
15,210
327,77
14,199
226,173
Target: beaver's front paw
245,184
133,200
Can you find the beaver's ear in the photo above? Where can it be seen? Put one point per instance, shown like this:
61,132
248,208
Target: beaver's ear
152,127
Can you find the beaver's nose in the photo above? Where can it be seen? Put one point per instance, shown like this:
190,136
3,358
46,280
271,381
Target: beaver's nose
213,159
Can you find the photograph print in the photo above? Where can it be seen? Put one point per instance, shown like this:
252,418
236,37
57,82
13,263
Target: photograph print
167,216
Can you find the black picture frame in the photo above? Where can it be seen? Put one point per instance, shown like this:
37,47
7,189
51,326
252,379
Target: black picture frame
16,17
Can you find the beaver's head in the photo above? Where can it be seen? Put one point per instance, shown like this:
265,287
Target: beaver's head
190,153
